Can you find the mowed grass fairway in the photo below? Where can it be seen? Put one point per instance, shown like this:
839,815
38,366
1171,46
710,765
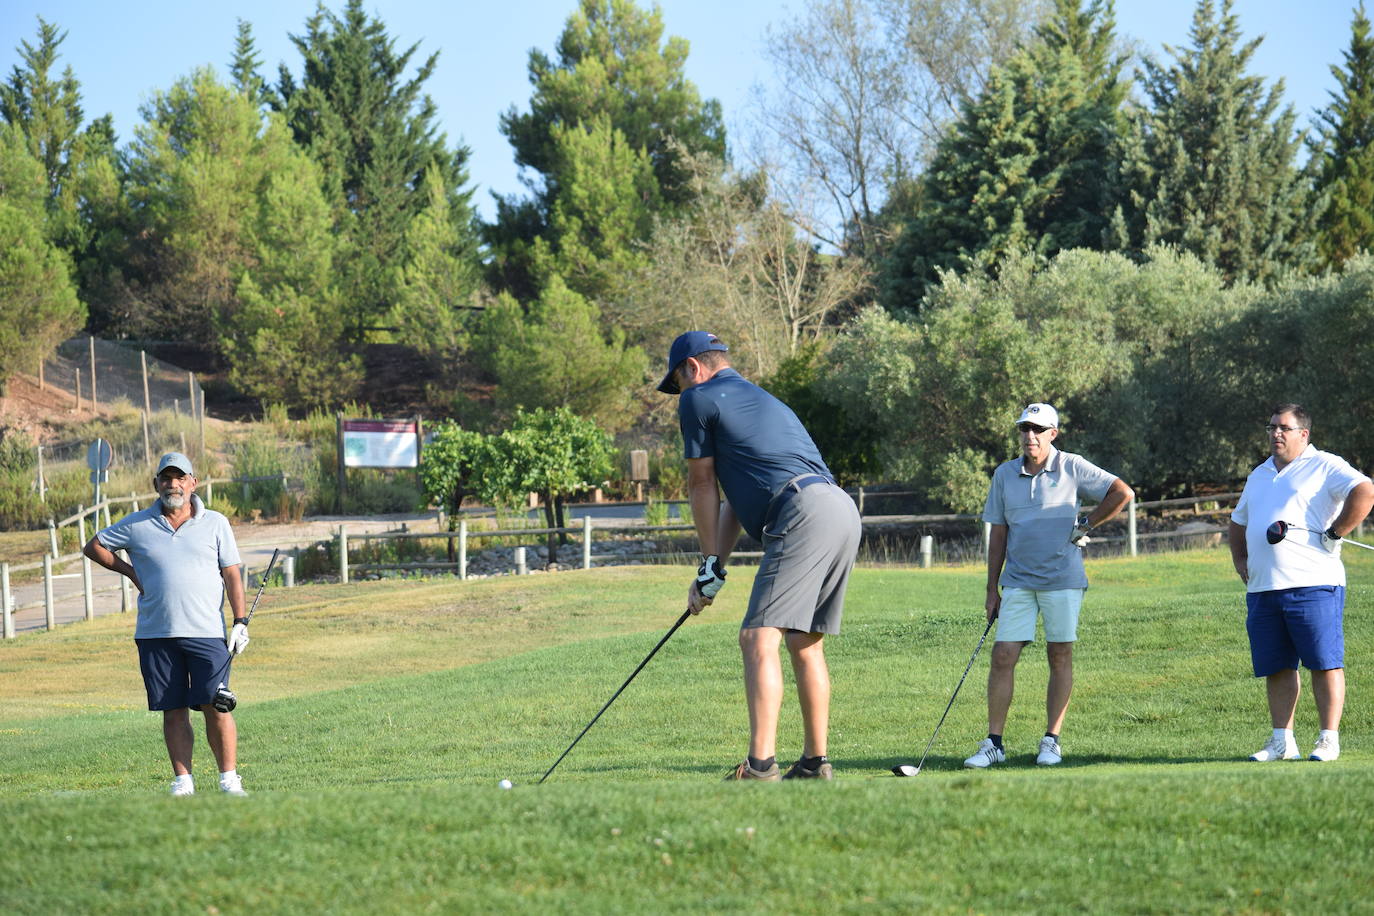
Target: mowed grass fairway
377,718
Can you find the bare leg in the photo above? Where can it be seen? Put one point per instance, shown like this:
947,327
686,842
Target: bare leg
1002,683
813,689
1060,655
1328,689
223,736
762,687
1283,690
180,739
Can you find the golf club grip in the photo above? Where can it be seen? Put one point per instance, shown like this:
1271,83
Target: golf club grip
262,586
666,636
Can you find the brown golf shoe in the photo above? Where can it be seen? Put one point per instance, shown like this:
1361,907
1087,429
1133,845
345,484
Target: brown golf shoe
797,771
745,771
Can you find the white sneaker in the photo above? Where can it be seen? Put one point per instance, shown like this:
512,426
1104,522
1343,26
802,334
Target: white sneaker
1050,753
1327,748
986,755
232,785
1277,749
182,787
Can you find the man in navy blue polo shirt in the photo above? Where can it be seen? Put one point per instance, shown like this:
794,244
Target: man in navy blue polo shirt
184,562
777,487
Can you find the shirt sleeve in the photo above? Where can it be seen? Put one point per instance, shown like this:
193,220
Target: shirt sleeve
117,536
993,510
1341,478
1092,480
697,418
1241,513
228,546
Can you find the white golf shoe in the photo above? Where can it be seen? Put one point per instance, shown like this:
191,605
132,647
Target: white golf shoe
1050,752
1328,747
183,785
232,785
986,755
1277,749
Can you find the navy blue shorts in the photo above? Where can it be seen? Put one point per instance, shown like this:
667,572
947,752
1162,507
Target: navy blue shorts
182,671
1289,625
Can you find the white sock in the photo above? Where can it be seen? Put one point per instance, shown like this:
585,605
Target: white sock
1333,734
1285,733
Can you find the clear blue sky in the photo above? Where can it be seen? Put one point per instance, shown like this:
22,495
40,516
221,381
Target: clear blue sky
121,52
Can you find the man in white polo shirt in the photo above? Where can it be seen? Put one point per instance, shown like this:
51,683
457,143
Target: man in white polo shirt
1039,535
183,560
1295,589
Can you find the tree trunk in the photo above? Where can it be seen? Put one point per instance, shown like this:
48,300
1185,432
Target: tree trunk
551,518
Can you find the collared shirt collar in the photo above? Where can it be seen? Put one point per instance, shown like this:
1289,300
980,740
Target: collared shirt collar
1051,464
197,508
1305,453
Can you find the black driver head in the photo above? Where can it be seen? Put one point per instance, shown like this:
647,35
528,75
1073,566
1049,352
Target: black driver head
1276,532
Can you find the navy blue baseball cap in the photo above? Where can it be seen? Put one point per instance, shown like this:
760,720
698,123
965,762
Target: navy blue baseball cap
689,344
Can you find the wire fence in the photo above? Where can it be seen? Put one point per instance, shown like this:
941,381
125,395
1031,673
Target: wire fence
96,372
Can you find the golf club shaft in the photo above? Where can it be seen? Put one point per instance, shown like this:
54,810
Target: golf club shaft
666,636
263,584
967,669
1344,540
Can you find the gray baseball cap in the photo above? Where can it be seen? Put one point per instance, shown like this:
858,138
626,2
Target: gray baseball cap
175,460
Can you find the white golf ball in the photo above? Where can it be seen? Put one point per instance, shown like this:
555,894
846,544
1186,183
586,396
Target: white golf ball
505,784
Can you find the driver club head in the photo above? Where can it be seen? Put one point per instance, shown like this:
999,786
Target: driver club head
905,769
1276,532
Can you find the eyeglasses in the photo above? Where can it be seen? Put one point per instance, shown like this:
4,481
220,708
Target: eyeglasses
1272,428
1032,428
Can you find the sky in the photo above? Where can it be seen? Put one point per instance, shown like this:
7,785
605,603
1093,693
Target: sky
122,52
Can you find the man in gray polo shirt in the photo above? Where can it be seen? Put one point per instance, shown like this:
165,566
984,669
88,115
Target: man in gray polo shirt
1039,535
183,560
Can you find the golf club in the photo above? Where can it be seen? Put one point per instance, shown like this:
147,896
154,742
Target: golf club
906,769
225,701
1279,530
680,621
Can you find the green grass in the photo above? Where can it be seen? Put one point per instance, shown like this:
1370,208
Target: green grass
377,718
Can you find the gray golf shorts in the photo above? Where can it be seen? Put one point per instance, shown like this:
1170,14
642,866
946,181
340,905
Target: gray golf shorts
808,551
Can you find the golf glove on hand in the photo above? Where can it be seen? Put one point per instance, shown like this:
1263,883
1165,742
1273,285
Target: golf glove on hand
710,576
1331,540
1079,536
238,639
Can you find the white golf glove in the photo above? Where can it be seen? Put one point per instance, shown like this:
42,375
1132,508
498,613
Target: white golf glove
1079,536
710,576
1331,541
238,639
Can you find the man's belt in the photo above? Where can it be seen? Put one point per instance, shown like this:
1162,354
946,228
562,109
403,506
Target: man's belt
795,485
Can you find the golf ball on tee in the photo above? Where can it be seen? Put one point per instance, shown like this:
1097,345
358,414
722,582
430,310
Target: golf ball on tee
505,783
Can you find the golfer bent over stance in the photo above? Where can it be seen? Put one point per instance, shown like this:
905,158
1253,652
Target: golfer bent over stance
183,560
778,488
1038,534
1295,588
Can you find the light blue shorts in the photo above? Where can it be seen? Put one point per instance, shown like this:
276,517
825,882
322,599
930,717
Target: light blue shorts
1059,607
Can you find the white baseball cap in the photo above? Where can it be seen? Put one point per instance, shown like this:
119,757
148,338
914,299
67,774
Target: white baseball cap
1040,415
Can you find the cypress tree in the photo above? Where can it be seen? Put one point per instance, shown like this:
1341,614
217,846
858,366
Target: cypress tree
1212,170
1343,152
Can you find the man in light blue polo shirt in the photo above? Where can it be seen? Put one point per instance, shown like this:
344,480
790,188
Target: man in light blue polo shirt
1035,555
184,562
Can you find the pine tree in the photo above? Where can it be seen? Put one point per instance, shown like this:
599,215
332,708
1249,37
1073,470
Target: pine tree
619,83
1212,170
1027,166
1343,153
243,67
373,131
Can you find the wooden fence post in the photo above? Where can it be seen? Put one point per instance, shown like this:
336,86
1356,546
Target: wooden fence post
87,593
126,592
586,542
52,537
6,596
343,554
94,405
49,611
1130,527
462,548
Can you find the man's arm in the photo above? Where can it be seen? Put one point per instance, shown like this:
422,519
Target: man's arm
997,556
112,561
1240,551
1119,495
727,532
1357,505
233,590
709,517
